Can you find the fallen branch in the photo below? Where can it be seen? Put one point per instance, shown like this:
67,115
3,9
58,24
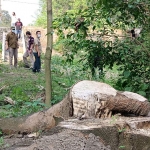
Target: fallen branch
144,48
9,100
2,88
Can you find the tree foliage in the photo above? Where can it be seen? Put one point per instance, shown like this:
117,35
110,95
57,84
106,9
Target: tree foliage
59,8
5,18
101,18
42,15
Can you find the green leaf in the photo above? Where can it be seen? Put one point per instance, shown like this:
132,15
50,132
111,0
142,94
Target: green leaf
138,1
121,147
79,11
144,87
130,6
128,89
141,93
126,74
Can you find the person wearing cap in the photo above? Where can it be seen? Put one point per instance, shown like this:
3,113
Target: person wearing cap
37,52
29,51
18,26
12,45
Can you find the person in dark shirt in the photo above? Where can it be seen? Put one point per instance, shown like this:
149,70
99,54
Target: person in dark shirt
18,26
29,50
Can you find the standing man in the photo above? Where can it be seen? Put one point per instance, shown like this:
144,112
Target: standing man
18,26
29,51
13,19
12,45
37,52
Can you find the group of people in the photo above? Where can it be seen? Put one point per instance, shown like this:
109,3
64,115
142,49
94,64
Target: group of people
33,48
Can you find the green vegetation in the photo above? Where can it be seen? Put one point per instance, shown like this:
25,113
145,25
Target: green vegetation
130,56
22,87
59,8
5,19
26,88
124,64
122,147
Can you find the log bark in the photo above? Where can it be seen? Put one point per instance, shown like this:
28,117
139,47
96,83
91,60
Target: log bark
38,121
121,103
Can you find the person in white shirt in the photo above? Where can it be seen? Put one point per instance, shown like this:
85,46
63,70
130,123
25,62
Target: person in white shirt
13,19
37,52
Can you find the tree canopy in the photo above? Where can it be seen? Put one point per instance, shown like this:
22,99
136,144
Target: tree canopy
59,8
5,18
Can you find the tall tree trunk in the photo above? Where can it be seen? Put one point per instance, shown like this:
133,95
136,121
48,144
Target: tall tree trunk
48,54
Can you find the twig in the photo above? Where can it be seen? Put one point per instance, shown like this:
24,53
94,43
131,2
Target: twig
145,49
9,100
2,88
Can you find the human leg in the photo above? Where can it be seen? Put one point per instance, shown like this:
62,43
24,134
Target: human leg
11,54
19,34
38,64
25,55
31,59
35,62
15,57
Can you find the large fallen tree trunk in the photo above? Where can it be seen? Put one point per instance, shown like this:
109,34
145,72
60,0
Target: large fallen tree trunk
86,99
95,99
38,121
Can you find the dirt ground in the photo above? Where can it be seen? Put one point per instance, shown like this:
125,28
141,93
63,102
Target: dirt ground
87,134
58,138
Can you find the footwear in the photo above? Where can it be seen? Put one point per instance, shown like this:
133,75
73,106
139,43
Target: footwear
31,68
26,66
